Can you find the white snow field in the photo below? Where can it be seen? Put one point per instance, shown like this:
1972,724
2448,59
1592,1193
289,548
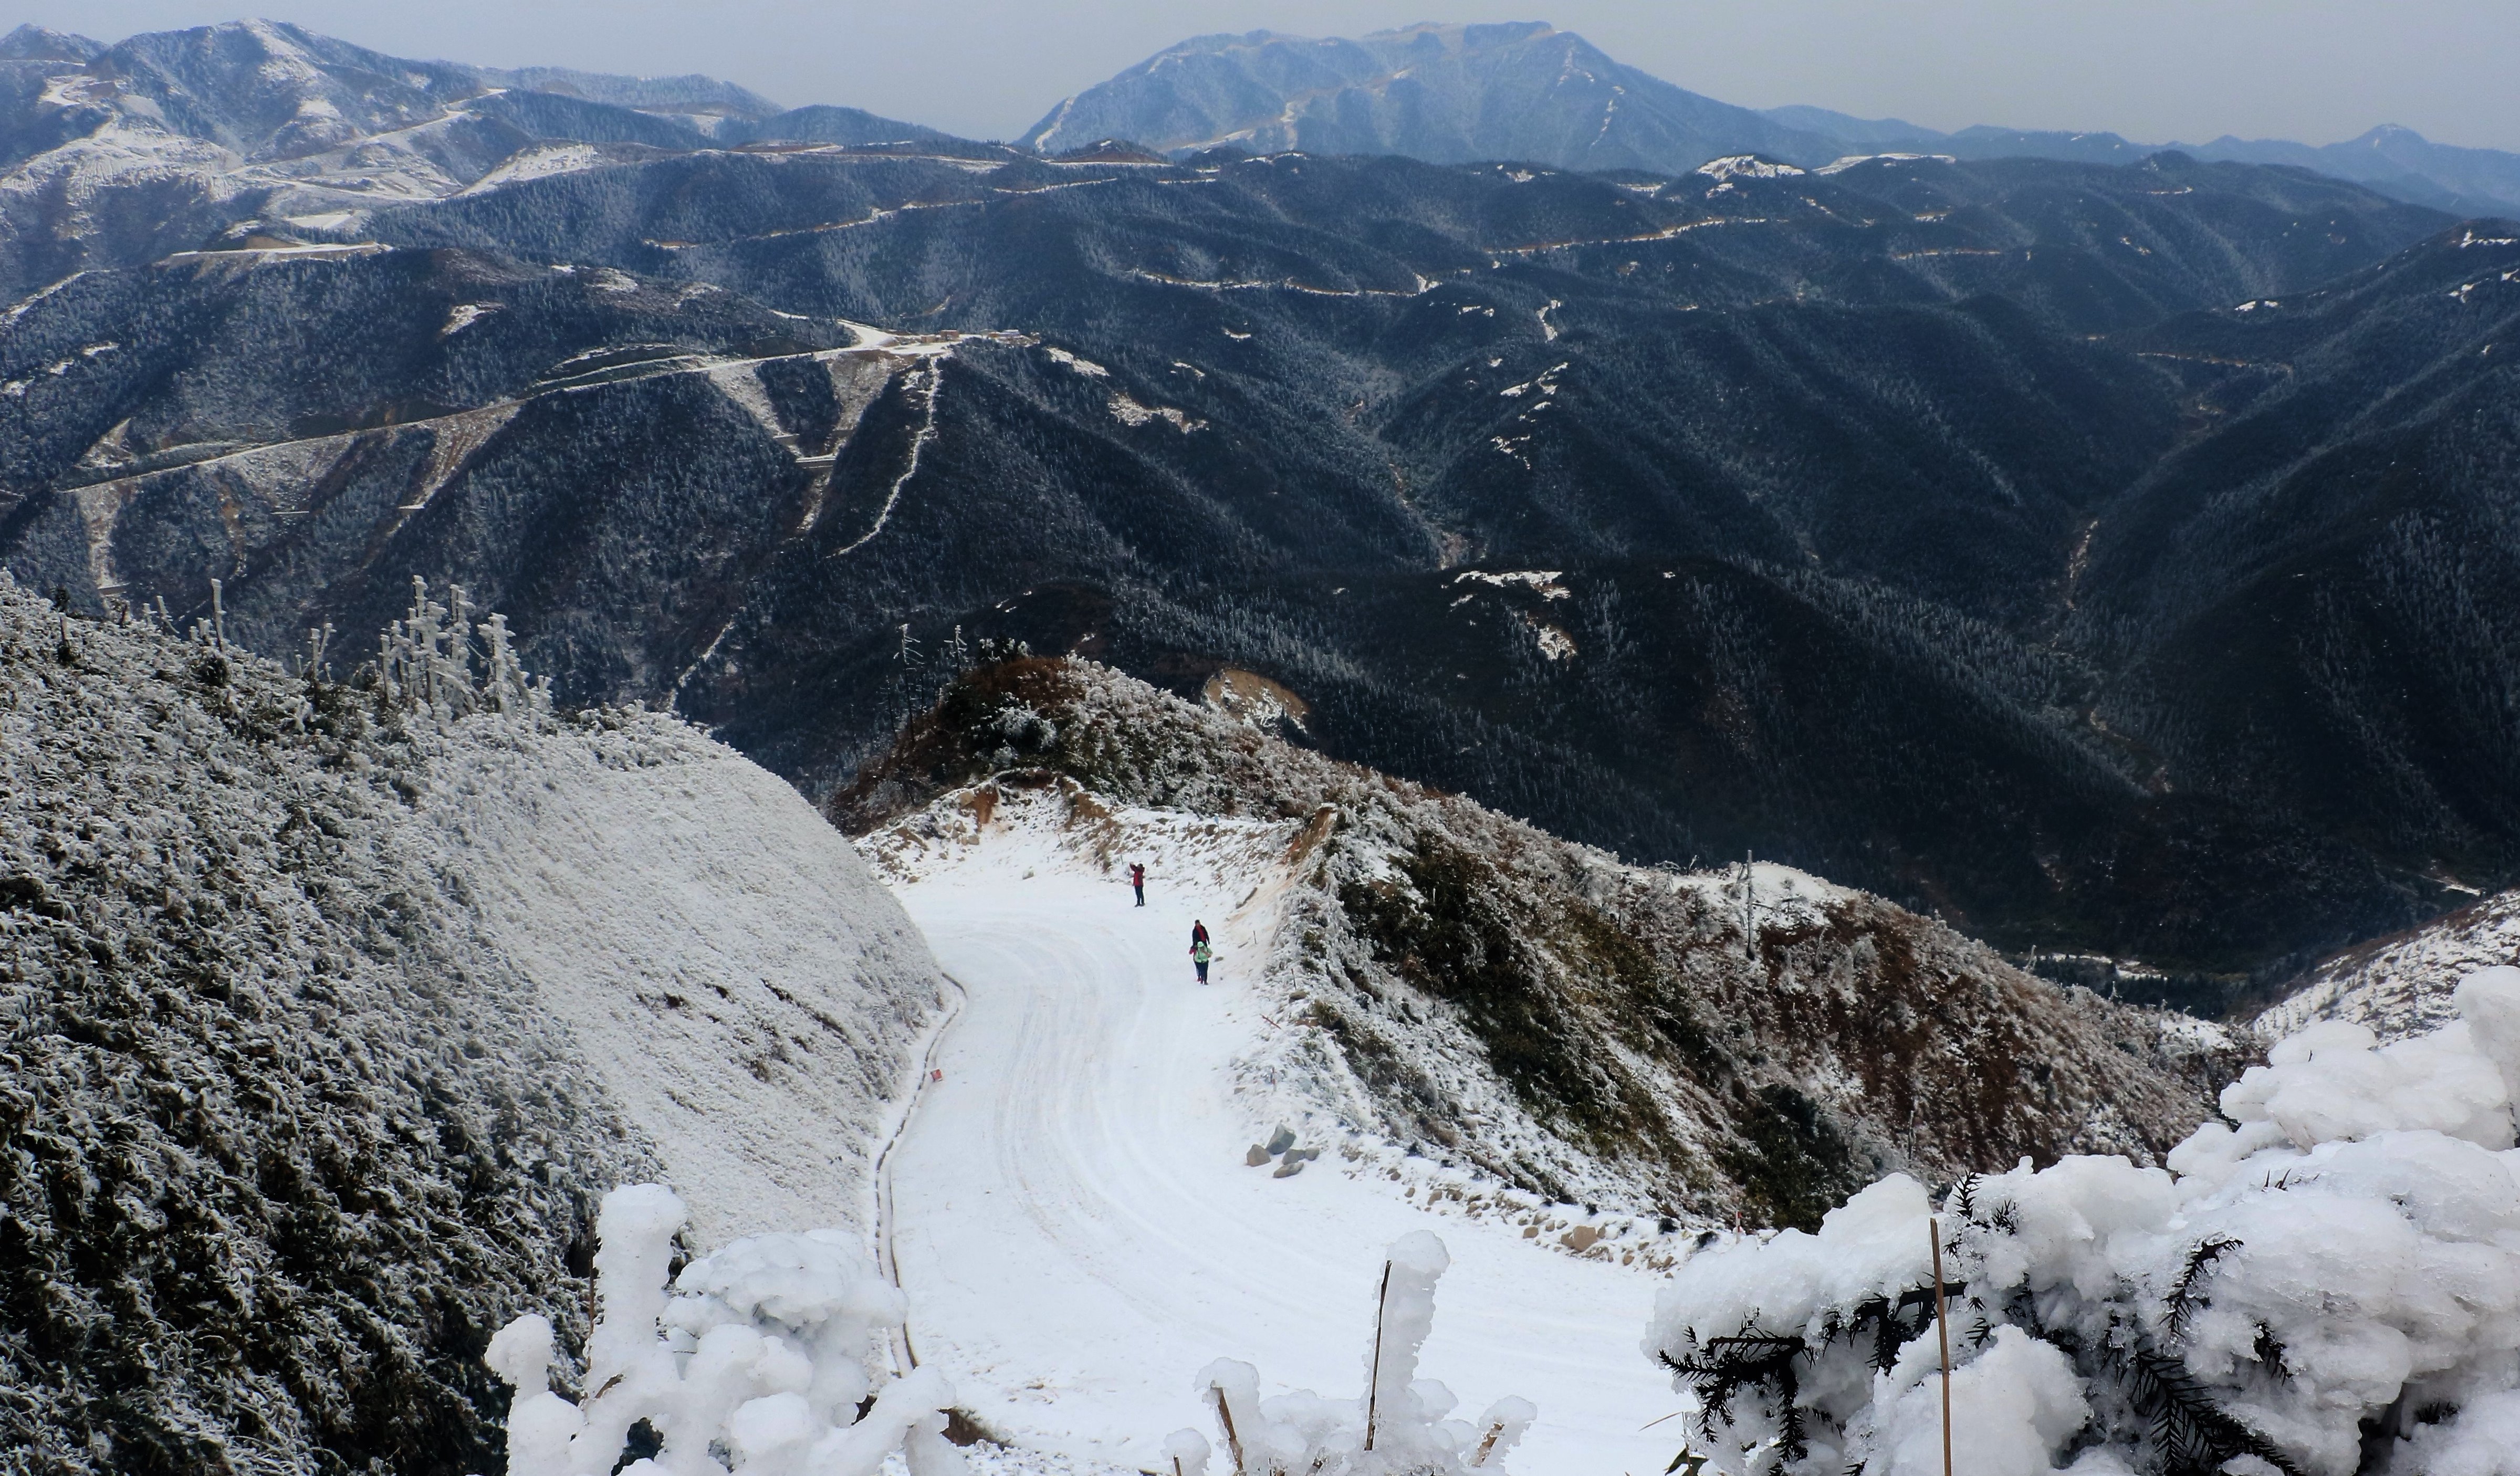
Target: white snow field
1072,1215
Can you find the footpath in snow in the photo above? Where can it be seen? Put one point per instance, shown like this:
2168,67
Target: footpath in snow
1078,1232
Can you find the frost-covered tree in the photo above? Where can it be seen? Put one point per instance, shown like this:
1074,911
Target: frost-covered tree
2328,1283
426,661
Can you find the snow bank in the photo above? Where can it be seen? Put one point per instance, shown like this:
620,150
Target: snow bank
2330,1283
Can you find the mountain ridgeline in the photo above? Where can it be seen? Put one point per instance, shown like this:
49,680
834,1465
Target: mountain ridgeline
2115,558
1707,1045
1531,92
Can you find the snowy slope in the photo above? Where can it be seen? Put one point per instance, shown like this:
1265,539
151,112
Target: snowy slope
2401,985
330,1012
1075,1221
745,989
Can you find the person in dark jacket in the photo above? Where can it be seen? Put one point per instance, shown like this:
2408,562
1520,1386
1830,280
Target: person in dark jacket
1137,882
1197,932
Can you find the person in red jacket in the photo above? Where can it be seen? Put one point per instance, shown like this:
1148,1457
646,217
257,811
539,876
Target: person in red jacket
1137,882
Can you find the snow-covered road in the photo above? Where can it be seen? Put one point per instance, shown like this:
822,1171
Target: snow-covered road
1079,1235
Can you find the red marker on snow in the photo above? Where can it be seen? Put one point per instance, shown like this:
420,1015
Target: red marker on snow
937,1075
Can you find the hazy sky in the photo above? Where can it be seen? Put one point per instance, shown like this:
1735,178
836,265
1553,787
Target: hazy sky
2316,71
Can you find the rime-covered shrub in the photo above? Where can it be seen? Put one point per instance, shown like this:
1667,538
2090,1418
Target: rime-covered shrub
2330,1283
754,1360
283,1136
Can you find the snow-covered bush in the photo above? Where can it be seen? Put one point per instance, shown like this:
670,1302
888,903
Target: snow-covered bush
1400,1427
2328,1283
753,1359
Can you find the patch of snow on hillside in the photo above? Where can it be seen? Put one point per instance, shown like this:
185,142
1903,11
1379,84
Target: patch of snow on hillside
1554,644
1128,412
465,315
1085,367
1542,582
1848,162
1747,166
536,163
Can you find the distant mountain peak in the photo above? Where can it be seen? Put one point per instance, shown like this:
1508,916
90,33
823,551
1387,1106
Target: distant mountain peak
36,43
1449,93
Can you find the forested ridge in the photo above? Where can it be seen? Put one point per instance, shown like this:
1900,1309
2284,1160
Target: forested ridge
2114,559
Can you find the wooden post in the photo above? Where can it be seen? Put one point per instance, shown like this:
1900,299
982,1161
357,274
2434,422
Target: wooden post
1942,1331
1373,1371
1225,1417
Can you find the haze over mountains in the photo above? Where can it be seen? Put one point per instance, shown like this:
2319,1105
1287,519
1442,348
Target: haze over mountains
1529,92
2116,558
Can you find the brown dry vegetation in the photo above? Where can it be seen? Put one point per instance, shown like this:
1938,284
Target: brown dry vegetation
1450,958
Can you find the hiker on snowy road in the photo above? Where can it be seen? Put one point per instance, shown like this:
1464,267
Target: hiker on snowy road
1199,955
1197,932
1137,882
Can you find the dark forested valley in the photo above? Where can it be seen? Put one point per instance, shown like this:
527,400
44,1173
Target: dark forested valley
2116,560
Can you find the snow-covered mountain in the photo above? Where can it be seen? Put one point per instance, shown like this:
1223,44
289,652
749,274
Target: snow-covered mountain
124,153
2392,159
1273,413
333,1007
1455,983
1528,92
1450,94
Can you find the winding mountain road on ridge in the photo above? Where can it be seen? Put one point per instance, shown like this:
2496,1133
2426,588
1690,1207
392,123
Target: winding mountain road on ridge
1072,1219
